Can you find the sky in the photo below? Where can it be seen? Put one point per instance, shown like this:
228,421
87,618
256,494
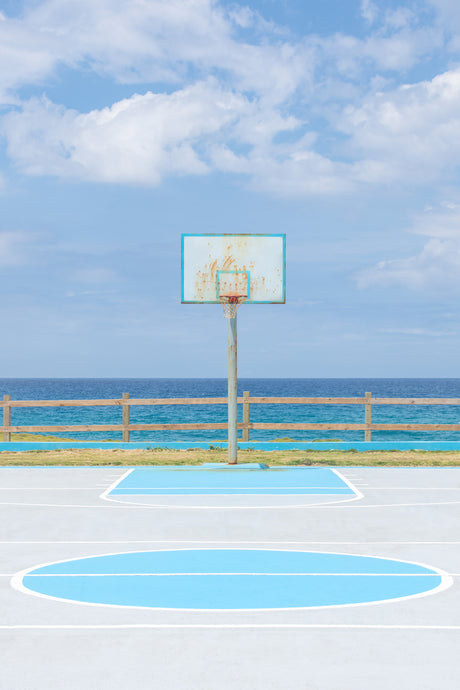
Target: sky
125,124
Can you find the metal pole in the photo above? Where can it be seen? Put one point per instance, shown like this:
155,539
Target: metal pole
232,392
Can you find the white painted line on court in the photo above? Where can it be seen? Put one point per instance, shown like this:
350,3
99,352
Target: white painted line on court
219,574
65,505
396,505
162,626
358,495
335,505
287,506
115,482
165,506
231,541
139,488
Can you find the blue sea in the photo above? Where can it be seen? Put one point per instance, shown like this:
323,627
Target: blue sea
60,389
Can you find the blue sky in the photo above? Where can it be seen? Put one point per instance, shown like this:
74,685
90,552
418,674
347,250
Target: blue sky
125,124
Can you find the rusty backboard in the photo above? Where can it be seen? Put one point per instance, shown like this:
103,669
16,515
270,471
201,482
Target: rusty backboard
214,265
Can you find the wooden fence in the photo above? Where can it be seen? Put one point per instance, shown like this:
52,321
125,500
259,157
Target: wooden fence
126,427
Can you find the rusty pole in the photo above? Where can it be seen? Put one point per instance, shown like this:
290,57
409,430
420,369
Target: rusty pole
232,392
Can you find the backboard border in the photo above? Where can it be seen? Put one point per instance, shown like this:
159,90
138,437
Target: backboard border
233,234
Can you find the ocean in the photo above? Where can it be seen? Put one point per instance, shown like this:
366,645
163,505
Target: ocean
57,389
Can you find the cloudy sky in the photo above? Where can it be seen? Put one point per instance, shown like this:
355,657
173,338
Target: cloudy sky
124,124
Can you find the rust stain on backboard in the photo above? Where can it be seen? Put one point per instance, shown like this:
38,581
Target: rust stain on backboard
239,253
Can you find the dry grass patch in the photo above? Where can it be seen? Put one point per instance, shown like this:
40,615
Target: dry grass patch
193,456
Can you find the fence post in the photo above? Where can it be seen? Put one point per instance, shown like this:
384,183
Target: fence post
6,417
246,394
368,417
125,420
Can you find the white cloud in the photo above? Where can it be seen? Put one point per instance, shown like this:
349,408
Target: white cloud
369,11
261,85
95,275
24,58
137,140
127,40
436,267
194,131
300,172
394,47
417,332
411,134
163,40
14,247
447,13
442,222
142,139
158,40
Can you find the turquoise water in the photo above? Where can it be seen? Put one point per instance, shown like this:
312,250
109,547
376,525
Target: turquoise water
49,389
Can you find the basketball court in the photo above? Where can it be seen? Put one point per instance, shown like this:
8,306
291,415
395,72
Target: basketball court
225,577
351,582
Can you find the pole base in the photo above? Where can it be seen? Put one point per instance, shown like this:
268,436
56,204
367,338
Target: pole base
239,466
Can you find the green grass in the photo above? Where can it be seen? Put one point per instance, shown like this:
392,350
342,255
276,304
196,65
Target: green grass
39,437
194,456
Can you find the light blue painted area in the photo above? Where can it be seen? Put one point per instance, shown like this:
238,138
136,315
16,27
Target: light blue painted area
197,480
250,445
252,491
231,579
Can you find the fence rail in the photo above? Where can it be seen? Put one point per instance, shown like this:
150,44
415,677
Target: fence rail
125,402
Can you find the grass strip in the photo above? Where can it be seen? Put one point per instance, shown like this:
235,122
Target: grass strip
83,457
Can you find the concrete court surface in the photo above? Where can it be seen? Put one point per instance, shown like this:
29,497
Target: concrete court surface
53,514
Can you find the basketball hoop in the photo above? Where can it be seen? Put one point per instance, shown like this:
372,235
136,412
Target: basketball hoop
230,304
230,269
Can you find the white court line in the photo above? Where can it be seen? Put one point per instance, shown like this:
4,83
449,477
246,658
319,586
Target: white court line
394,505
230,541
287,506
434,574
168,626
133,504
358,494
69,505
322,504
162,488
115,482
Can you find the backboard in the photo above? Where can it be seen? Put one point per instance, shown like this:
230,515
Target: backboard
220,266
